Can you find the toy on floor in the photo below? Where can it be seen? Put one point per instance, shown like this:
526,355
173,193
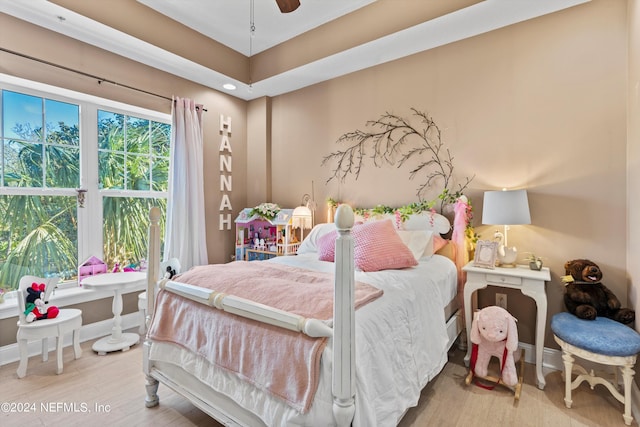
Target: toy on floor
494,333
36,307
586,297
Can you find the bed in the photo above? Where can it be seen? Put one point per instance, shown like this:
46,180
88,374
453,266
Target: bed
405,321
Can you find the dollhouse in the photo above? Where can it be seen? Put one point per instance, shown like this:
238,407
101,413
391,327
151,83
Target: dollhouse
92,266
258,238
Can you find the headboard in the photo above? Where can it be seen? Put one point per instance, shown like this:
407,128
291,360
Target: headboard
430,221
459,248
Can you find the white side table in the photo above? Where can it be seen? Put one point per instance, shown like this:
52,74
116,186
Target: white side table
116,282
530,283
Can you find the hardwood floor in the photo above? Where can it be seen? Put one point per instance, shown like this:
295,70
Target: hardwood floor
109,390
447,401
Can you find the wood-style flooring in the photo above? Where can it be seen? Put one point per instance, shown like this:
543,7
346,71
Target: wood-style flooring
96,391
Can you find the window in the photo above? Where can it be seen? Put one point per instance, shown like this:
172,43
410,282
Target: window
133,159
56,147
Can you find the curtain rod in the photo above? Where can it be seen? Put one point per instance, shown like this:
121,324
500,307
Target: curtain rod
98,78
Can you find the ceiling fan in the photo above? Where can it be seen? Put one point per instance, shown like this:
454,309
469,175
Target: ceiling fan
287,6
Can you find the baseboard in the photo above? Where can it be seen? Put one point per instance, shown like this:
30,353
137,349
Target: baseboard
9,353
552,358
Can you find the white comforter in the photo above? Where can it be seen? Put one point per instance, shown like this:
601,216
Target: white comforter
400,346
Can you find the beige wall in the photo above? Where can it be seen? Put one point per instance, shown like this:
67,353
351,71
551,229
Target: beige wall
633,155
539,105
258,189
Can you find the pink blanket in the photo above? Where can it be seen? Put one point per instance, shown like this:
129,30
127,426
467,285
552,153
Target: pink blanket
282,362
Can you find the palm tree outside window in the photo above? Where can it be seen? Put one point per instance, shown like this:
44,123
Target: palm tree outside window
49,148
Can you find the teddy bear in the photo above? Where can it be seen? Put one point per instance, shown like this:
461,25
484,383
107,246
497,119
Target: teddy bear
586,297
494,332
36,307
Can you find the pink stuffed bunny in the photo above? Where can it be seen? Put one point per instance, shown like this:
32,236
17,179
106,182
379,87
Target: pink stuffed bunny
493,328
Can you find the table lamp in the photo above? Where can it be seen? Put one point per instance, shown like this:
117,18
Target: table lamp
302,218
506,207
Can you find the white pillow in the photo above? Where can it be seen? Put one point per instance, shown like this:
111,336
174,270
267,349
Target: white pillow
420,242
310,242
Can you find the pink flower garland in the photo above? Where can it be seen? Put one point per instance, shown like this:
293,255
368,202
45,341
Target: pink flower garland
398,220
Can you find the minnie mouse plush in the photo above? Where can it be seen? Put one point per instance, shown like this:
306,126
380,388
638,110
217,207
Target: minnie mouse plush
36,307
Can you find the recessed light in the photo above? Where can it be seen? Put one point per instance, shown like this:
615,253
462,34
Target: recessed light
229,86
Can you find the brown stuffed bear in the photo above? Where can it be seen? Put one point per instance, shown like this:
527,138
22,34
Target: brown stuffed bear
587,298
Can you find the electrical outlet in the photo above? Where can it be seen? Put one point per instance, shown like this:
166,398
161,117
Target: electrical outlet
501,300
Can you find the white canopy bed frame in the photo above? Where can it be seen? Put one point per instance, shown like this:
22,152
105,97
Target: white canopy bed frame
341,332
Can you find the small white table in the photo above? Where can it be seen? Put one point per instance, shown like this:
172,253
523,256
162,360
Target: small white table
116,282
530,283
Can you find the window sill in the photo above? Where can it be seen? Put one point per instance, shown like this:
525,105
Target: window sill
65,297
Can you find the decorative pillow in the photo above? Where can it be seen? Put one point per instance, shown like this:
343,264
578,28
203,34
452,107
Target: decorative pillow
420,242
377,246
439,242
326,246
310,242
448,250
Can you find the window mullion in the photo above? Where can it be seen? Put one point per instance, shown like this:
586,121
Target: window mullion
89,217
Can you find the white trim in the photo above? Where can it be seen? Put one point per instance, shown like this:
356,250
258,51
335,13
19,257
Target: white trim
9,353
76,97
552,358
63,298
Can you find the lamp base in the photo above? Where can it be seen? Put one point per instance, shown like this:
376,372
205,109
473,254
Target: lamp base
507,257
507,265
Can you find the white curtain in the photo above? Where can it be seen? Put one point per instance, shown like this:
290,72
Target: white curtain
185,237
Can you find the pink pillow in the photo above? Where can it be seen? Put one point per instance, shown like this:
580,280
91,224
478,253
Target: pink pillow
377,246
439,242
326,246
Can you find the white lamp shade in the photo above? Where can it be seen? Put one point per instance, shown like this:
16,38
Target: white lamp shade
301,217
507,207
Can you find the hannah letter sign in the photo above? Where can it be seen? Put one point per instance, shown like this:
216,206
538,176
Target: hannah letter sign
225,173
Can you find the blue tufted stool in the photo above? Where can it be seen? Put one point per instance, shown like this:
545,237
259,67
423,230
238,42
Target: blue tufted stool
602,341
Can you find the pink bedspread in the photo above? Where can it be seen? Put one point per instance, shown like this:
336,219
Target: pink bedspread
282,362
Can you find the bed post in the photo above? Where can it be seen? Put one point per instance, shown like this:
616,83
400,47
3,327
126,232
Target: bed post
153,269
153,260
344,347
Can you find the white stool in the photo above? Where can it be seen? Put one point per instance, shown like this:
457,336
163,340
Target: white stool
603,341
68,321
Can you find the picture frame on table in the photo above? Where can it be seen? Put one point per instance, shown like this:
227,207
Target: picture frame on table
486,253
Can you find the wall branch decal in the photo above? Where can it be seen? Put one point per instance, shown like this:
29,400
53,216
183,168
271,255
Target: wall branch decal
396,142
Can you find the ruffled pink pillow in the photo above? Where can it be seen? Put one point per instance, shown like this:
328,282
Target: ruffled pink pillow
377,246
326,246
